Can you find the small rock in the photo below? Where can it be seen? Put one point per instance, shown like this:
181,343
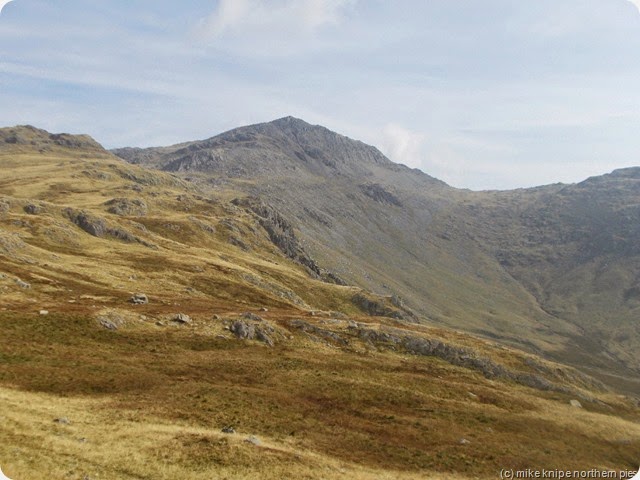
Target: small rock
111,320
216,317
264,309
139,299
62,420
44,312
108,324
22,284
575,404
472,395
253,440
182,318
32,209
463,441
228,429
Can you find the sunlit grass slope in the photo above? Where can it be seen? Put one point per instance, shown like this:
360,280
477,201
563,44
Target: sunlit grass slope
93,386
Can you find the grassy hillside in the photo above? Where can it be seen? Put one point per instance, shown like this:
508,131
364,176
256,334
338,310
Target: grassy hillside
95,386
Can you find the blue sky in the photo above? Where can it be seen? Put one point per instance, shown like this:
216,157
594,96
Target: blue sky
482,94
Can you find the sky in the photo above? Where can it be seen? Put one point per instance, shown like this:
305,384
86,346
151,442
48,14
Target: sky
491,94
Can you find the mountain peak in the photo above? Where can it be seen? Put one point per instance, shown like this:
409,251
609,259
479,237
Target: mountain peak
282,147
290,121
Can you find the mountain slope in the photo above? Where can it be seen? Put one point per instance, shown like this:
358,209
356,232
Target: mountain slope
240,332
574,247
487,262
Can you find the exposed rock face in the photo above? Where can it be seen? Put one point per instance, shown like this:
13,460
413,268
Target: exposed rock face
129,207
378,193
111,320
139,299
262,332
98,227
375,308
90,224
243,330
463,357
405,340
182,318
315,331
5,206
32,209
283,236
280,232
11,242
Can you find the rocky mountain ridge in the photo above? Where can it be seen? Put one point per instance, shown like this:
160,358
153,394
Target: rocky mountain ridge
523,266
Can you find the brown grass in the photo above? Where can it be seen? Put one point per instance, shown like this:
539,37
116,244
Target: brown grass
151,400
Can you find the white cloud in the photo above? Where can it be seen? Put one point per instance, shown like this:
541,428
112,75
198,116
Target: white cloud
3,3
281,17
636,3
402,145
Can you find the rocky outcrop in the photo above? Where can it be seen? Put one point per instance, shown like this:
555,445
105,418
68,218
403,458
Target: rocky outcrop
459,356
32,209
5,206
127,207
280,232
251,330
98,227
111,320
379,194
375,307
318,332
139,299
181,318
